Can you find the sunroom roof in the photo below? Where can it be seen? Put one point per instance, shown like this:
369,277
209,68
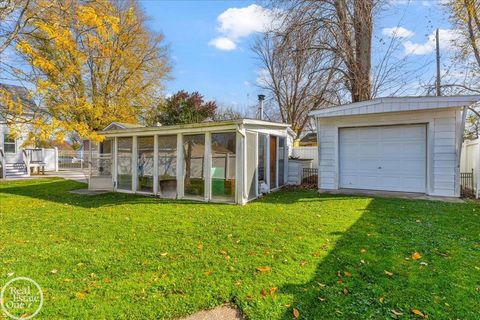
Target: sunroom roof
111,128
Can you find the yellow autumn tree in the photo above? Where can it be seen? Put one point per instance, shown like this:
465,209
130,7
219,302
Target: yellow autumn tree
465,16
91,63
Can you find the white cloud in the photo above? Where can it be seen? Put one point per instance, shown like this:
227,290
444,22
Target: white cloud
223,43
398,32
237,23
263,77
447,38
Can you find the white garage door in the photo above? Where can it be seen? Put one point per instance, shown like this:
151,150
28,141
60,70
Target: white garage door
391,158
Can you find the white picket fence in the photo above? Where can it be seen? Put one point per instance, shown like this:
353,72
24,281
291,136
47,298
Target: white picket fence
470,160
306,153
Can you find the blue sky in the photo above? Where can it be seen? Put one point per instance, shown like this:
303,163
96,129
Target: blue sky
210,43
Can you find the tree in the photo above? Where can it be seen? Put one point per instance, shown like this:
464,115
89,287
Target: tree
186,108
228,113
13,17
465,15
300,80
342,27
91,63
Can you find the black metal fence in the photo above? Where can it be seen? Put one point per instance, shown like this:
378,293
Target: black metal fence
310,176
467,187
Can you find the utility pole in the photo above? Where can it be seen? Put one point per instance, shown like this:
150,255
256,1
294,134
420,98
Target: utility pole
438,85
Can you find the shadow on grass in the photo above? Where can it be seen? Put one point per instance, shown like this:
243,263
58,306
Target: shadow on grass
303,195
57,190
354,282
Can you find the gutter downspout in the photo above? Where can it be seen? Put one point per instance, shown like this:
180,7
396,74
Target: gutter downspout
459,150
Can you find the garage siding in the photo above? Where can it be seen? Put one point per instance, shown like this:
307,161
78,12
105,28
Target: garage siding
441,144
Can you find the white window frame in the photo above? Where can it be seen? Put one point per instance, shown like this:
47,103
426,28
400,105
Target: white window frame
5,135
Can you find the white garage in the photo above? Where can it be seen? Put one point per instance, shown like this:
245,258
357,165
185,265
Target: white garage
409,144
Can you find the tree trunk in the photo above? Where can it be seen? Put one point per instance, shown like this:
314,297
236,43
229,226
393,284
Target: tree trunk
362,23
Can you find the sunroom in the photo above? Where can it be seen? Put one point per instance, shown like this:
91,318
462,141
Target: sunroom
226,161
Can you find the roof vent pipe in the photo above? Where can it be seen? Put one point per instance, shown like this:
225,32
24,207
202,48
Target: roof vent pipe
261,97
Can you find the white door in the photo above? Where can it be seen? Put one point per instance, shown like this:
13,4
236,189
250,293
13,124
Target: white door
391,158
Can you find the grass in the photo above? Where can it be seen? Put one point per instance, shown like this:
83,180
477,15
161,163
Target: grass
121,256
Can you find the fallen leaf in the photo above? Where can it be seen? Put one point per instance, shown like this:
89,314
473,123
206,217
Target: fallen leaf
67,280
419,313
363,250
296,313
107,280
164,254
347,274
10,274
80,295
321,299
273,290
200,246
416,255
303,263
423,263
54,271
340,281
321,285
263,269
418,221
263,293
223,252
381,299
317,254
397,313
388,273
362,261
345,291
232,269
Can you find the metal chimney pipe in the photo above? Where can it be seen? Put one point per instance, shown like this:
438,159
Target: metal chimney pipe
261,97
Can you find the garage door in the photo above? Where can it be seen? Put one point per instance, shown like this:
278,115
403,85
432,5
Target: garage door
391,158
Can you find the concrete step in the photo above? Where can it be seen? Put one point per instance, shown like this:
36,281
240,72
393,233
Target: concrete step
15,169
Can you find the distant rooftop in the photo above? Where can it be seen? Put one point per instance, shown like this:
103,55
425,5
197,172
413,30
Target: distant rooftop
22,94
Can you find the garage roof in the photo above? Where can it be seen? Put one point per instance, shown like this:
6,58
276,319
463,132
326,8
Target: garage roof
396,104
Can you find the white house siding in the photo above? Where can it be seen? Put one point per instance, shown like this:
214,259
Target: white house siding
442,132
13,158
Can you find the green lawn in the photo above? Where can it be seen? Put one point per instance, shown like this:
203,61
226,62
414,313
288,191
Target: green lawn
123,256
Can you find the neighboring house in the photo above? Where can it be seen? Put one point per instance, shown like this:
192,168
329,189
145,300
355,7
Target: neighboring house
308,140
226,161
16,158
406,144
